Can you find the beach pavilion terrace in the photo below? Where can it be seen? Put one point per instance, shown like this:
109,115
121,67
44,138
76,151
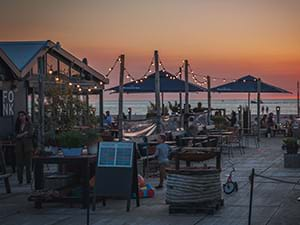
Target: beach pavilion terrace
28,67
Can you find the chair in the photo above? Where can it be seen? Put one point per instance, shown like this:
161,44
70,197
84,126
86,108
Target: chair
233,141
4,175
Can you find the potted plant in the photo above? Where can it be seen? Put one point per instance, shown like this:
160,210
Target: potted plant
92,140
71,142
291,145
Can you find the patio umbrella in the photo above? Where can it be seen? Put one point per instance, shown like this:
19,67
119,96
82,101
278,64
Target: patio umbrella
249,84
168,84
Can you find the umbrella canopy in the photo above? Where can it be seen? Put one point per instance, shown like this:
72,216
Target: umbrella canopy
247,84
168,83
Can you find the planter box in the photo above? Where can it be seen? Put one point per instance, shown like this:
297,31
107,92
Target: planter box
291,160
71,151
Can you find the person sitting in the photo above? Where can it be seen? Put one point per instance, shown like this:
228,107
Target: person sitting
263,122
108,119
233,119
198,108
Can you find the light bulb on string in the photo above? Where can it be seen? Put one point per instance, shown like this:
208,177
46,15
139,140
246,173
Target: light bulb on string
224,80
78,85
244,81
70,84
95,87
89,90
56,79
79,89
50,70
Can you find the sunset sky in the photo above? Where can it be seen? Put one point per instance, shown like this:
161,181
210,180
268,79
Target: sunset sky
221,38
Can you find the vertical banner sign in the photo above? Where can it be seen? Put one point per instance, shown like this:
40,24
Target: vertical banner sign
7,101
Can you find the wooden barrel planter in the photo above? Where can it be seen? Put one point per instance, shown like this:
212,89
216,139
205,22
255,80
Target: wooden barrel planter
193,190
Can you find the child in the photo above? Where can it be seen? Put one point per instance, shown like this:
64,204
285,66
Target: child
162,153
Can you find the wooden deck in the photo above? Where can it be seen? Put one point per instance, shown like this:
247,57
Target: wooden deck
274,203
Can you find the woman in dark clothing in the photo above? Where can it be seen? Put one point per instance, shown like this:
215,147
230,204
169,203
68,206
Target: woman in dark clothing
233,119
24,146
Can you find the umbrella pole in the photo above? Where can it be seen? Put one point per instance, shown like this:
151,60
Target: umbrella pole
258,108
157,92
249,113
180,100
208,100
186,88
120,119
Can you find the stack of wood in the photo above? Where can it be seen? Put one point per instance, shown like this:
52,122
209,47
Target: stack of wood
193,190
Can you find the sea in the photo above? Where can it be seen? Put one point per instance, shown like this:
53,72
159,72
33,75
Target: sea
139,107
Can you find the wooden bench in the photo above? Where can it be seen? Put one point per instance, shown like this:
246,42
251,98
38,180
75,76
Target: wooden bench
4,175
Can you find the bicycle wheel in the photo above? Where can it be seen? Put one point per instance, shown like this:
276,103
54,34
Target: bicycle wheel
228,187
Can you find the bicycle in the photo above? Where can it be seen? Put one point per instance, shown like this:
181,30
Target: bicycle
230,185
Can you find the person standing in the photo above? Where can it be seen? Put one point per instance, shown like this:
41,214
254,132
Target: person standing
162,153
233,119
24,146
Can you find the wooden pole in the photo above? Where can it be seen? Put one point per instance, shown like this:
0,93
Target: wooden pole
157,92
58,67
162,103
121,89
258,108
101,108
33,105
251,195
298,105
249,112
208,100
186,89
42,68
87,106
180,100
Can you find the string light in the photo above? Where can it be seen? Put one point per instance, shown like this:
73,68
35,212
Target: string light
70,84
50,70
113,66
